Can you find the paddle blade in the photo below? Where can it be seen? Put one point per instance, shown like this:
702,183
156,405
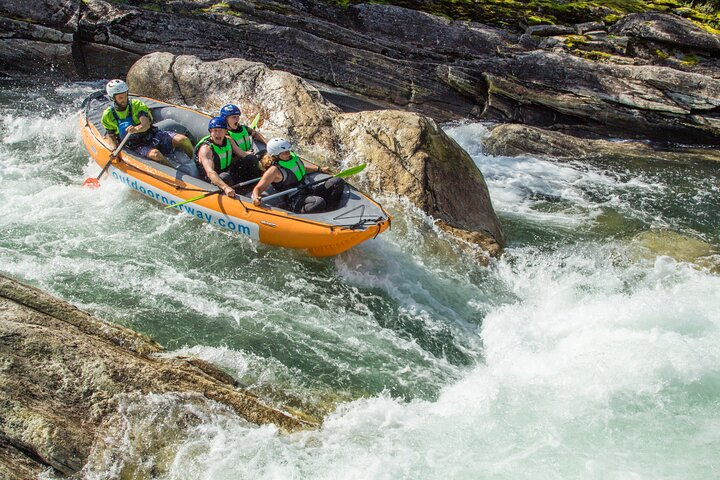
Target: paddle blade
255,121
351,171
91,183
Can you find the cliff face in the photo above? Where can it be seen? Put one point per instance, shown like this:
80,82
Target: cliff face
63,372
586,79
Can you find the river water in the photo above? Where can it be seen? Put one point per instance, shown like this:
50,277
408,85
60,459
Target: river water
591,349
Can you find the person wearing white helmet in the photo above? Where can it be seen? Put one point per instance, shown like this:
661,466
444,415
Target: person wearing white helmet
133,117
286,170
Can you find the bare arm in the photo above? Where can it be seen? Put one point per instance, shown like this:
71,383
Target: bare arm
259,136
206,158
310,168
143,127
271,175
237,151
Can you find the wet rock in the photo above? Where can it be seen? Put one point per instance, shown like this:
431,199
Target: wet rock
412,157
682,248
63,371
513,139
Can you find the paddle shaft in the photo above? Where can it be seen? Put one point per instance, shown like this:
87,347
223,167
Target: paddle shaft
344,173
219,190
113,155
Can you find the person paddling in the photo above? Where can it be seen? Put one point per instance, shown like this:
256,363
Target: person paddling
133,117
242,134
221,162
286,170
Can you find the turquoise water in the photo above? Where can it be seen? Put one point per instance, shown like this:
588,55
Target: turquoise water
591,349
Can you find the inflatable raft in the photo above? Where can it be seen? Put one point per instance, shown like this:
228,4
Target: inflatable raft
358,218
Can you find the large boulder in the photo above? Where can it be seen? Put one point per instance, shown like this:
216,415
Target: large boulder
412,157
64,371
287,104
408,154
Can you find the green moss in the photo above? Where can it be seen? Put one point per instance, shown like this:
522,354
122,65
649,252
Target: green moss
511,13
593,55
661,54
690,60
151,6
23,19
574,40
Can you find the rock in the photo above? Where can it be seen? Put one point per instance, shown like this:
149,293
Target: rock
667,29
30,48
513,139
564,92
64,370
412,157
582,28
682,248
549,30
407,152
288,105
434,33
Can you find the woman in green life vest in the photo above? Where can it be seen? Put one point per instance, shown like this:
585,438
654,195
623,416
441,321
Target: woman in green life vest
221,162
286,170
242,134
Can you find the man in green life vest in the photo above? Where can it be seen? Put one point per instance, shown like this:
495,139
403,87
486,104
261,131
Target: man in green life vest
132,117
221,162
242,134
287,170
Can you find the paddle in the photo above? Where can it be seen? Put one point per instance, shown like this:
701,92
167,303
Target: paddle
199,197
95,182
345,173
255,121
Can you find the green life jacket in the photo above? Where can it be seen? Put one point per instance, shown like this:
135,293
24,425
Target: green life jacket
242,137
295,165
222,156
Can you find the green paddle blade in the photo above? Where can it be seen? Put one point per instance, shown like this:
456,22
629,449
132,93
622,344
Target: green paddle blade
255,121
351,171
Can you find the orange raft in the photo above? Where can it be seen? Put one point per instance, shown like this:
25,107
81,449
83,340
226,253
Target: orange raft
358,218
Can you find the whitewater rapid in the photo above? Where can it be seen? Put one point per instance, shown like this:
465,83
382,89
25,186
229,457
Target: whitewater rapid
584,352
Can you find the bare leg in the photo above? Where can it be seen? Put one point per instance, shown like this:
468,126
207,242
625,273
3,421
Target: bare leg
181,141
157,156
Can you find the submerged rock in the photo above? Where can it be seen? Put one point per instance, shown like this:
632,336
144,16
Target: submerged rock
682,248
63,371
408,153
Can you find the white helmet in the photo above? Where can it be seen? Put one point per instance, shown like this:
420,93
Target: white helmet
116,86
278,145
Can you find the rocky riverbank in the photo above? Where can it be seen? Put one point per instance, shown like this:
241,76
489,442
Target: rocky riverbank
64,373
